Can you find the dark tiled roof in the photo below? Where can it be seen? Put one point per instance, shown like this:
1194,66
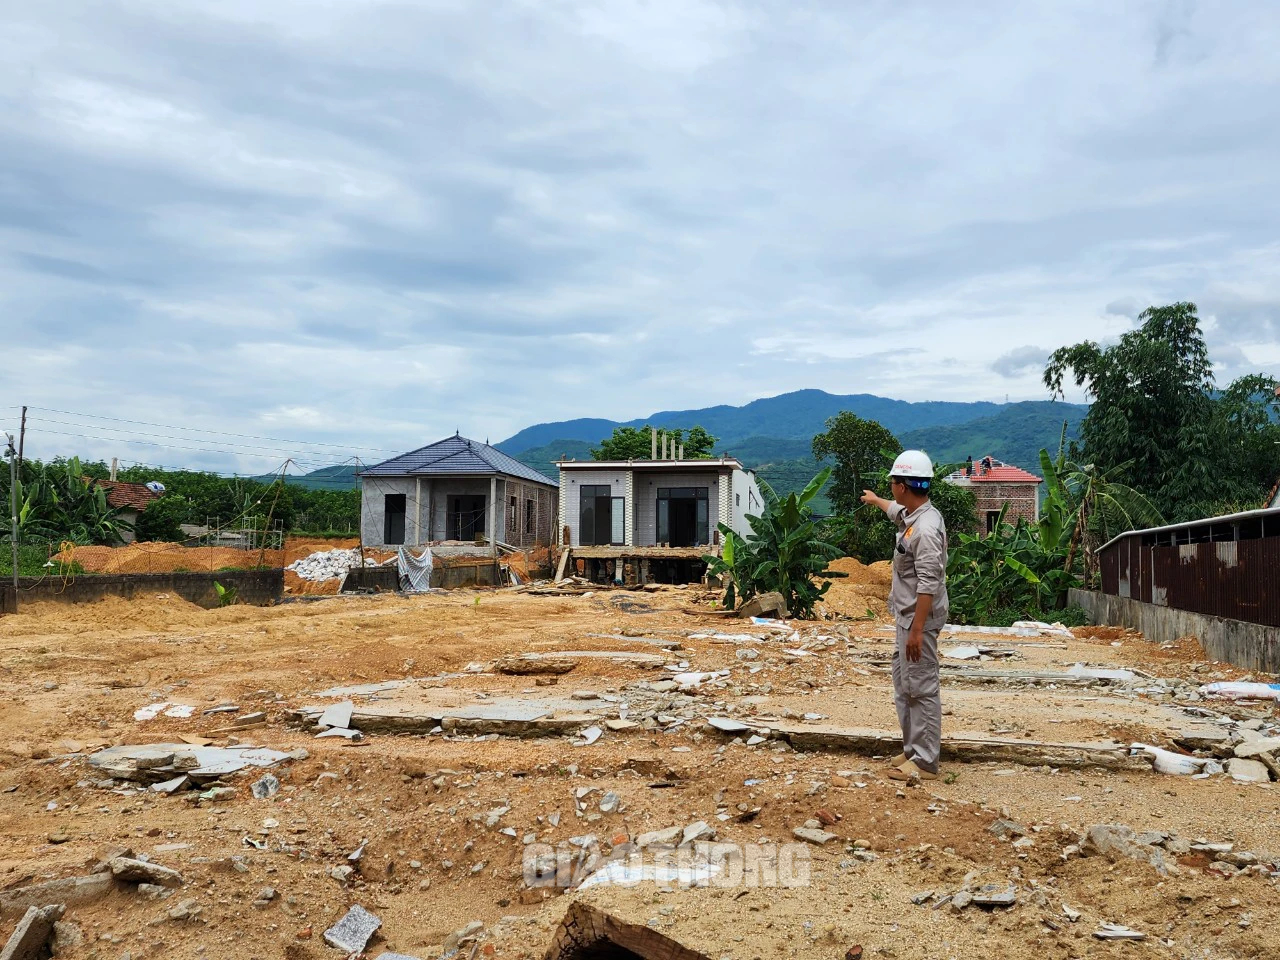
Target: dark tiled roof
455,456
127,496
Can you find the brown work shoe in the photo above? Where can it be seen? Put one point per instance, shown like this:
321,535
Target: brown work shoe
898,761
910,772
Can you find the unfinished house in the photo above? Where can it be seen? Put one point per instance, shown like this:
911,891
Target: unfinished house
647,521
997,484
456,490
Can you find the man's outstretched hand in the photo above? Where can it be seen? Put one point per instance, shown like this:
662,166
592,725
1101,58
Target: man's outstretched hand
870,496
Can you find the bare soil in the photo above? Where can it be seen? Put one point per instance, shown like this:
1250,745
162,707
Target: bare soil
71,678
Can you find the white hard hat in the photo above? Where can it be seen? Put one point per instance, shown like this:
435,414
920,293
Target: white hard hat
913,463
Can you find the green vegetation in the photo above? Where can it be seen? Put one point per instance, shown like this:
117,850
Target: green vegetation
636,443
1158,423
226,595
860,448
161,519
57,502
785,552
34,560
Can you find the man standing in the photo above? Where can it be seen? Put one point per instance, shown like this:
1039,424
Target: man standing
918,603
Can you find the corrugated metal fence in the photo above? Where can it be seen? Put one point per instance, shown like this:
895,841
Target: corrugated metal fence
1239,579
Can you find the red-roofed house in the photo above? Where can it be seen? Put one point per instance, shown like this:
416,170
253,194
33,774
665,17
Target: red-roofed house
995,484
129,498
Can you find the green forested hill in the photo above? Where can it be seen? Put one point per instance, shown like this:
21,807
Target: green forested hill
779,450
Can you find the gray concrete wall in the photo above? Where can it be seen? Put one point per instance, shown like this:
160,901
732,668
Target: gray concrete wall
571,483
431,511
646,487
1250,646
254,587
373,504
746,499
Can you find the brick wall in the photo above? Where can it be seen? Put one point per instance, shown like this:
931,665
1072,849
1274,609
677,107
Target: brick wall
530,521
1021,498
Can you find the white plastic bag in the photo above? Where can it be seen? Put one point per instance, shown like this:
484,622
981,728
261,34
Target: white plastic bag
1166,761
1237,690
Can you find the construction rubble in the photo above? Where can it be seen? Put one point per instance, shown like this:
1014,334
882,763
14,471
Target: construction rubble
550,769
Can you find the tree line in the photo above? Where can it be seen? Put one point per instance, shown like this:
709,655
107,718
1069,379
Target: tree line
60,500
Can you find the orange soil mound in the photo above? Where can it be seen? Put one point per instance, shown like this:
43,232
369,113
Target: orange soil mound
864,588
172,557
166,558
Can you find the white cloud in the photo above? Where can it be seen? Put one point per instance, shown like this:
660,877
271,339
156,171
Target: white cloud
379,222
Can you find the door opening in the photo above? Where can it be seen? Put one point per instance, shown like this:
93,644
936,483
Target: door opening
466,519
393,513
683,516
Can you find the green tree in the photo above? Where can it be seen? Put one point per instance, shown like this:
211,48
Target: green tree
859,448
632,443
868,534
161,520
1154,411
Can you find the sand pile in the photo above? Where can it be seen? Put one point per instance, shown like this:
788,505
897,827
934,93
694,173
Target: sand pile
863,588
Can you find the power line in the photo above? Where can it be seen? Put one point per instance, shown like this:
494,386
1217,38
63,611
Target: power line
172,446
230,448
242,436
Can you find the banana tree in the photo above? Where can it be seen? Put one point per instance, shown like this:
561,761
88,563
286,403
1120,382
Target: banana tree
784,553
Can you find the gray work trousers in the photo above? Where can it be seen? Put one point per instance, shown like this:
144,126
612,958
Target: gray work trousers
917,696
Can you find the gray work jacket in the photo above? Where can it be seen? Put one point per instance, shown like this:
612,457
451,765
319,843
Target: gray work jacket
919,564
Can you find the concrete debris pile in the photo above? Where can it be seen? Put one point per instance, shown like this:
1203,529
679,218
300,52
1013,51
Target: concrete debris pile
1161,850
329,564
173,767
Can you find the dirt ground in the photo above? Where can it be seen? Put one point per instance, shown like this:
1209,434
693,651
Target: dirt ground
435,856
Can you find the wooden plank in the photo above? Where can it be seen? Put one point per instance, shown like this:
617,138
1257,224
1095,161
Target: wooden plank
563,565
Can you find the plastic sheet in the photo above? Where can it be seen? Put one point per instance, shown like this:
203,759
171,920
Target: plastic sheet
415,570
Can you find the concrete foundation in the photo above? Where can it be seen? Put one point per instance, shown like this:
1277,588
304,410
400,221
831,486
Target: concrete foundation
1250,646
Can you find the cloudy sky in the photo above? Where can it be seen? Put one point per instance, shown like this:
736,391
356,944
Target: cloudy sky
370,223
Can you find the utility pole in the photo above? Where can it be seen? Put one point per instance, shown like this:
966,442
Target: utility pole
22,437
13,506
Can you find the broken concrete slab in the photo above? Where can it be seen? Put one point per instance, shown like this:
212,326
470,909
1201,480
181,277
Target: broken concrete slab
1248,771
528,664
1251,748
209,762
353,932
996,895
1203,738
30,941
70,891
814,836
140,871
771,604
960,747
728,725
668,836
1114,840
343,732
337,715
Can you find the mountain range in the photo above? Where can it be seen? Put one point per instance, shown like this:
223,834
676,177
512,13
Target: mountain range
774,435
